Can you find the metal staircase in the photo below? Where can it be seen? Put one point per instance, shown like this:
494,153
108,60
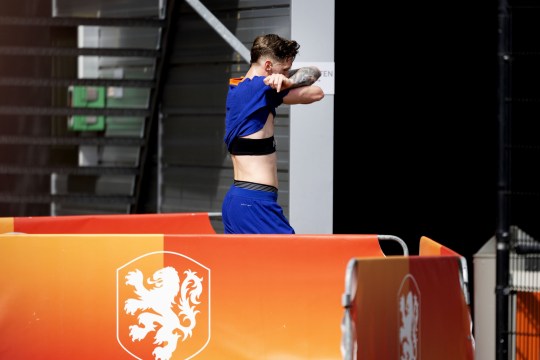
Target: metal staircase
63,155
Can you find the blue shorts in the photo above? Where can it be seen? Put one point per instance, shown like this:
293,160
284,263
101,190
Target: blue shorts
247,211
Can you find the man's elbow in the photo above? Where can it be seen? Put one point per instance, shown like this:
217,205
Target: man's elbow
318,94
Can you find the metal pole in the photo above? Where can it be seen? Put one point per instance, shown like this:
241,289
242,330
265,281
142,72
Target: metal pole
503,227
214,22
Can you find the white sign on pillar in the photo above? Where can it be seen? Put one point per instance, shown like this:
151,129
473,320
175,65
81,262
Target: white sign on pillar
326,81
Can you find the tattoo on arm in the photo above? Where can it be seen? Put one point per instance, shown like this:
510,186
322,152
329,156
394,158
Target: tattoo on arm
304,76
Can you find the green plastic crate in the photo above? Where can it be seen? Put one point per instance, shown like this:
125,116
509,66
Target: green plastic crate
87,97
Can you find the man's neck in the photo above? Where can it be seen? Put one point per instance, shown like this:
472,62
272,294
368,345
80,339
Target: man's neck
255,70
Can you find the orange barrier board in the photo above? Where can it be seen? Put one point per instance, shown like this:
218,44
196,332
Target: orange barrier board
169,297
527,325
406,308
169,223
431,247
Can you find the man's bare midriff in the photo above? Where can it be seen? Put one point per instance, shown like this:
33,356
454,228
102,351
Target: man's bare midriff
261,169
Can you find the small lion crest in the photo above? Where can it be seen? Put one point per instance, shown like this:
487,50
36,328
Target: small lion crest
409,315
163,307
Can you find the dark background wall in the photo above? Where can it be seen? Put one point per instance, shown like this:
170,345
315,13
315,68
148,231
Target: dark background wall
23,156
416,122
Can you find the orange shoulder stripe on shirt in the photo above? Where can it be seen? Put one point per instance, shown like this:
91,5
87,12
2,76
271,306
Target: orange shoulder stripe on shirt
235,81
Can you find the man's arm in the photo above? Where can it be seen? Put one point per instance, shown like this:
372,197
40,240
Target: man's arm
304,76
304,95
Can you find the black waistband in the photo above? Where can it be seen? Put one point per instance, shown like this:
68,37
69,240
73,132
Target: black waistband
255,186
246,146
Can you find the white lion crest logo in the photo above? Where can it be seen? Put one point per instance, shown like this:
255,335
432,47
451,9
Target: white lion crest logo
172,304
408,332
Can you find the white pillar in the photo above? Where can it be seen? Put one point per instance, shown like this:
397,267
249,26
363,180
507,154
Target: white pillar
311,172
